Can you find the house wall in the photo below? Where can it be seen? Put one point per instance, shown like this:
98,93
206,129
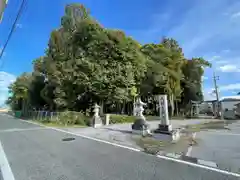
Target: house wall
238,110
230,107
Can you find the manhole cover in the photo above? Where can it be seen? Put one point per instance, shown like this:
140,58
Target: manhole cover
68,139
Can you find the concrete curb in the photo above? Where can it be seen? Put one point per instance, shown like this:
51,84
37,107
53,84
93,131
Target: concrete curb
191,159
187,156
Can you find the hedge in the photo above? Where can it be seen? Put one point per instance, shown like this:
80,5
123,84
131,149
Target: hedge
117,119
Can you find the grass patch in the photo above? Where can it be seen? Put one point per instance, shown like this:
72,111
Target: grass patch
151,145
120,119
218,125
154,146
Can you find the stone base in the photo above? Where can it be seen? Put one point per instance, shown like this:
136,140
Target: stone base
97,122
140,124
142,132
173,135
97,125
162,127
138,132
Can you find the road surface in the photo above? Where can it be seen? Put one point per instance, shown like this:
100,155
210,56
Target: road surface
220,146
31,152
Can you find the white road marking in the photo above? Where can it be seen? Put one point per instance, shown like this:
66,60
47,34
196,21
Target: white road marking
138,150
207,163
86,137
189,151
4,165
222,133
199,165
19,130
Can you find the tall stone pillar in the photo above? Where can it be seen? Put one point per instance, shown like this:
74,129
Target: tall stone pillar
165,124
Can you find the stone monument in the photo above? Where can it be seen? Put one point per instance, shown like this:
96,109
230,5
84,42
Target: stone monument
140,125
165,126
96,121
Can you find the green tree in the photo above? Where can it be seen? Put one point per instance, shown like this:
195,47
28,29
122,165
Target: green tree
86,63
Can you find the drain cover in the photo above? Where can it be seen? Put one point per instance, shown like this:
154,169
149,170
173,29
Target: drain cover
68,139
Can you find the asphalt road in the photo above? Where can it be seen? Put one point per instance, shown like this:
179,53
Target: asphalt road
220,146
36,153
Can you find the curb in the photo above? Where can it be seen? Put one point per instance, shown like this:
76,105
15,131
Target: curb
187,156
192,159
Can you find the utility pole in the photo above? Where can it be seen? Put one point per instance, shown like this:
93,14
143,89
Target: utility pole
215,78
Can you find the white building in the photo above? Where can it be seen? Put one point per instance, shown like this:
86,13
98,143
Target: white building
230,106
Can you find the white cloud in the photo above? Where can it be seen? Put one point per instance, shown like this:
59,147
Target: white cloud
19,25
204,78
229,68
5,80
235,15
214,58
230,87
209,95
226,51
220,62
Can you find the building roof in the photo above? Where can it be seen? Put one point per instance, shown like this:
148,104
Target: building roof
230,98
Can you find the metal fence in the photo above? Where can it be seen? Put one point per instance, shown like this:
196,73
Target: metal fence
51,116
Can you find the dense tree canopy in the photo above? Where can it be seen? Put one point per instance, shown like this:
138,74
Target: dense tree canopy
86,63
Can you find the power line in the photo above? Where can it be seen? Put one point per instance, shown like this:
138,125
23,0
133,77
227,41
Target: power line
13,28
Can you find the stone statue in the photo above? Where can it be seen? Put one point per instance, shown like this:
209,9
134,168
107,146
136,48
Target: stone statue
139,107
140,123
96,110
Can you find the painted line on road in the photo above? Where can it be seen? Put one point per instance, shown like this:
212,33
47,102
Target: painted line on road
222,133
189,151
4,165
207,163
95,139
138,150
199,165
86,137
19,130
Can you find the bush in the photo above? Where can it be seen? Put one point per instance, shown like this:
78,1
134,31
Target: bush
115,119
72,118
83,120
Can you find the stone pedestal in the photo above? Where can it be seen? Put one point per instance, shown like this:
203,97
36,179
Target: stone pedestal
96,121
107,119
173,135
140,126
163,127
165,130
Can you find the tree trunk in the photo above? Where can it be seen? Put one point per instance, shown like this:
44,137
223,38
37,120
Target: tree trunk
171,104
101,107
123,108
177,110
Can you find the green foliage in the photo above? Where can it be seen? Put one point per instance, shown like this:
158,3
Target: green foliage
71,118
62,118
86,63
116,119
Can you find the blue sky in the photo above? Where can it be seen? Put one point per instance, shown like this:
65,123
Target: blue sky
210,29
